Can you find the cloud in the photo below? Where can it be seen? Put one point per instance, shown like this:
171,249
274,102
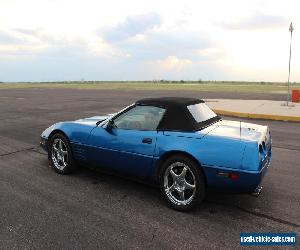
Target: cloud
57,63
28,32
22,36
174,63
133,25
256,21
212,54
38,42
154,45
43,36
8,38
168,41
145,38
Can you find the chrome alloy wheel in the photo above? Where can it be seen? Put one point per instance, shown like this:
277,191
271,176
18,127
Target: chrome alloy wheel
59,154
179,183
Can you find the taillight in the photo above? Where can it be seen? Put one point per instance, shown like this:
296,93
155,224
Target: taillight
233,176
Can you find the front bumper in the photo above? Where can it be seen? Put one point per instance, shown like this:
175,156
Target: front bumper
44,143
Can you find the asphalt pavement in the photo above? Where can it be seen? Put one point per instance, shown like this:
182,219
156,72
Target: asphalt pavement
40,209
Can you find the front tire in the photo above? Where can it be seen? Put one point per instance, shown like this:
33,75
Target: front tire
182,183
60,154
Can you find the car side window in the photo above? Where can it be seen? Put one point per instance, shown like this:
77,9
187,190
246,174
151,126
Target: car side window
140,117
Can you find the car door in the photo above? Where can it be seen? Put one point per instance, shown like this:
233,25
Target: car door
129,146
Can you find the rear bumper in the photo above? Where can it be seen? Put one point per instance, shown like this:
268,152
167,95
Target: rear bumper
257,191
249,182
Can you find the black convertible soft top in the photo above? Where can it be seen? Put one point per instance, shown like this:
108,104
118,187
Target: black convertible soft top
169,101
177,116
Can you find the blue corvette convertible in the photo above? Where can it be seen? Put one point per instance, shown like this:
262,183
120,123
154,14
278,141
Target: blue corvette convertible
178,143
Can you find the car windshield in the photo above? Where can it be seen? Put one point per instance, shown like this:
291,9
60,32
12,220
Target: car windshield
201,112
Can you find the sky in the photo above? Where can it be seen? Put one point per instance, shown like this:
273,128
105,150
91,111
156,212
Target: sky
65,40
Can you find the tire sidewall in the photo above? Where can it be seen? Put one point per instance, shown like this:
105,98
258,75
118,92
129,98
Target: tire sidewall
70,162
199,178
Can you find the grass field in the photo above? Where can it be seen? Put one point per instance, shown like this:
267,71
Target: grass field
265,87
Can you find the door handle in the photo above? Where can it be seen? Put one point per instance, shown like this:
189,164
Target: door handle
147,140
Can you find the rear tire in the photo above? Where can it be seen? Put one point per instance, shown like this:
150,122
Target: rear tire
182,183
60,154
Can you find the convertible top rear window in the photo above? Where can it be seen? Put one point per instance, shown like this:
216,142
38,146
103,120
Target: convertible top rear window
201,112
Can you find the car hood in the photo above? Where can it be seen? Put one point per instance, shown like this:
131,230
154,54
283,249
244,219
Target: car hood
93,120
76,130
238,130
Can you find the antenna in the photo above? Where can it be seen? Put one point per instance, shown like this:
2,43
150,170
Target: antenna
240,130
291,29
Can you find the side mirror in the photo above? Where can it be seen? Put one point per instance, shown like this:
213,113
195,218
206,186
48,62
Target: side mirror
110,125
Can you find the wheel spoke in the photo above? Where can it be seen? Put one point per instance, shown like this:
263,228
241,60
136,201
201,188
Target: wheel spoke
55,146
188,185
181,194
60,144
183,172
64,152
63,162
174,176
170,189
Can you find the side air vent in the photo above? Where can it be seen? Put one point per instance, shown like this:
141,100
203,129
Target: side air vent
79,152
